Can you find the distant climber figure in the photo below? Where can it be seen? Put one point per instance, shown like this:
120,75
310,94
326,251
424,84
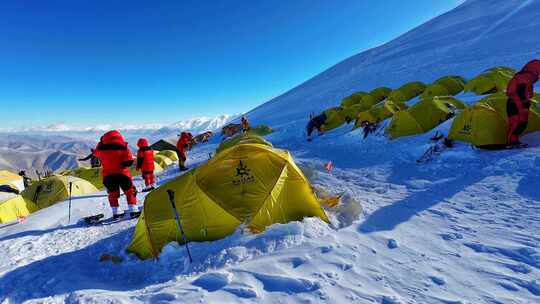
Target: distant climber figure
145,164
116,159
181,149
520,91
368,128
26,180
95,162
315,123
245,124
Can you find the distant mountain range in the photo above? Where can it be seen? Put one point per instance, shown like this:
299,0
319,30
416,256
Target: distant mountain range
56,147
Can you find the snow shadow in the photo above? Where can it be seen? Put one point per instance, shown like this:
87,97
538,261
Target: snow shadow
390,216
72,271
34,232
527,187
81,269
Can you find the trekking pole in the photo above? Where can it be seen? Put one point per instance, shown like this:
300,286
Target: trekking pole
171,199
69,212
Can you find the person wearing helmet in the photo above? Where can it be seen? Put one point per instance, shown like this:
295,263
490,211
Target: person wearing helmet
245,124
116,158
145,164
95,162
520,90
181,149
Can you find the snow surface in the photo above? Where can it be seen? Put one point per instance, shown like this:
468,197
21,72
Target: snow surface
461,228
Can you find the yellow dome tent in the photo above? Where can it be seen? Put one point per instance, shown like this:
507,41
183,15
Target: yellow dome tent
407,92
381,93
13,207
11,179
245,138
352,99
250,184
491,81
334,119
162,160
92,175
485,124
445,86
261,130
51,190
171,154
423,116
379,113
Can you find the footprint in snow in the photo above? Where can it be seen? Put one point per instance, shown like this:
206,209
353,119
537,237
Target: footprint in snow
242,292
437,280
213,281
295,261
451,236
272,283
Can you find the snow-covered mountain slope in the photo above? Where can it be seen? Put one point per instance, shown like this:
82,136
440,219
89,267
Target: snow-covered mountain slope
39,152
477,35
461,228
195,125
58,146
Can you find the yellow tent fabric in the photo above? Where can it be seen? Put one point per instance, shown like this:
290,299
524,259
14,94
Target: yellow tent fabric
51,190
379,113
491,81
352,99
485,124
162,160
381,93
92,175
11,179
334,119
503,69
407,92
13,207
423,116
249,184
171,154
445,86
261,130
245,138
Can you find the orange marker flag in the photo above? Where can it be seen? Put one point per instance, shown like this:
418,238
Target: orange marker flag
329,166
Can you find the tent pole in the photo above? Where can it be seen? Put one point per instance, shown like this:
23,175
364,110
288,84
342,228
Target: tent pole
171,200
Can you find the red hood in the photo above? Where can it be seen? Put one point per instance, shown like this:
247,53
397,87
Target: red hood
143,142
113,137
533,67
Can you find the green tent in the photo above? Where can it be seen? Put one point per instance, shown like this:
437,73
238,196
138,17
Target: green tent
381,93
485,124
334,119
261,130
491,81
423,116
407,92
379,113
445,86
352,99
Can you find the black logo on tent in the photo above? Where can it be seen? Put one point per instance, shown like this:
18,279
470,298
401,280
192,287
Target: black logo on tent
243,175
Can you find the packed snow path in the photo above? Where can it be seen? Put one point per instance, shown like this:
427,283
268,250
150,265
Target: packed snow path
459,229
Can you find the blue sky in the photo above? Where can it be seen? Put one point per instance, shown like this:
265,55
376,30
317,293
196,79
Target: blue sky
86,62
